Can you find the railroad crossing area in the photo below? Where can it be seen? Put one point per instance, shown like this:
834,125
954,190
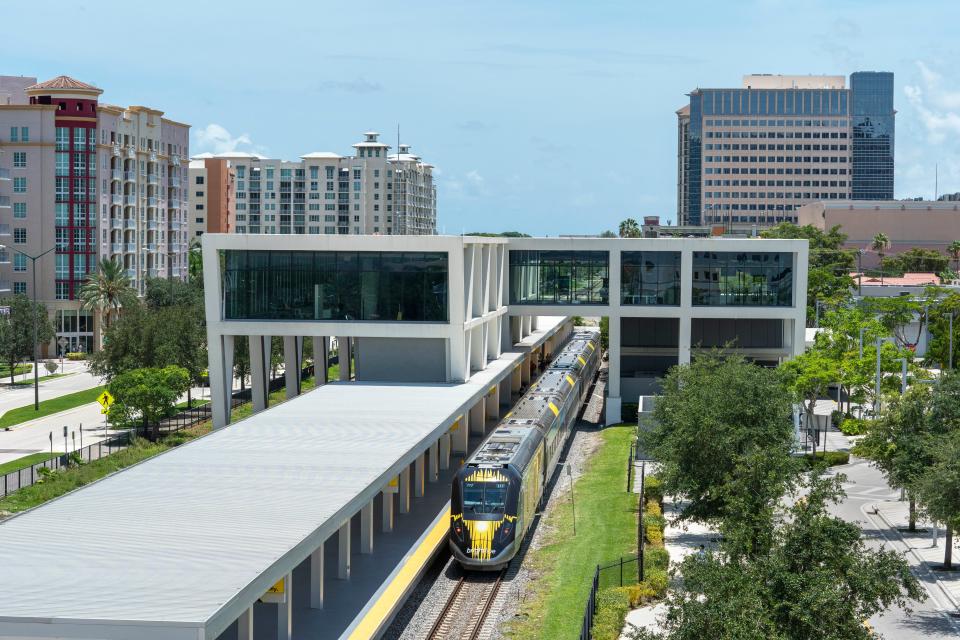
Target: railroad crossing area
312,519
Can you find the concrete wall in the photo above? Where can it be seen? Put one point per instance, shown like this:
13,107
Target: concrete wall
401,359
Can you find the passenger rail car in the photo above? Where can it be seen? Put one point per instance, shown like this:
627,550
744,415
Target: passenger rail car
498,489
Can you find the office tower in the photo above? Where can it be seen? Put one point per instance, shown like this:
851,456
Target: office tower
749,157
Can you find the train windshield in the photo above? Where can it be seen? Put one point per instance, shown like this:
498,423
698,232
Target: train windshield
484,497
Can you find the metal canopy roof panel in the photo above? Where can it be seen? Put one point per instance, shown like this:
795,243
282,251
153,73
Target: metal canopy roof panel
183,542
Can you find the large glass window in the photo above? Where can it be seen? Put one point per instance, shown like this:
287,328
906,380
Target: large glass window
559,277
758,279
650,277
335,285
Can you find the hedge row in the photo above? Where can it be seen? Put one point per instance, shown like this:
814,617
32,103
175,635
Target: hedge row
832,458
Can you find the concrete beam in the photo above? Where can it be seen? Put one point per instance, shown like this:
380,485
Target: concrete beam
461,434
404,495
419,486
220,359
245,625
366,528
492,402
343,560
387,519
285,610
316,578
477,418
292,364
343,351
321,351
445,451
259,371
434,470
525,368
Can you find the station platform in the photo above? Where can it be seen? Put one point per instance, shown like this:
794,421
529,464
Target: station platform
186,544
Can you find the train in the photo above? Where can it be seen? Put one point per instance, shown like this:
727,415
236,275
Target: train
497,491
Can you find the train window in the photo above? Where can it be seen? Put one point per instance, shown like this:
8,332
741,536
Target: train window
484,497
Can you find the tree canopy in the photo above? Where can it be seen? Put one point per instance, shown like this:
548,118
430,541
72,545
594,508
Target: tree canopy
147,394
16,329
629,229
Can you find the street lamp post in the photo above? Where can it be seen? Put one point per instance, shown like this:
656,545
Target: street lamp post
36,348
950,361
859,272
903,376
876,397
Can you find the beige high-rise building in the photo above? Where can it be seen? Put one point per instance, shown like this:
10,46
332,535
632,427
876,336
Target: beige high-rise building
87,181
749,157
370,192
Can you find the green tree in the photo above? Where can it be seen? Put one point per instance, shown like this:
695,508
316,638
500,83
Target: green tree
939,489
954,250
195,265
938,347
148,395
16,330
880,244
901,443
810,374
916,260
818,580
607,234
241,360
723,436
106,291
629,229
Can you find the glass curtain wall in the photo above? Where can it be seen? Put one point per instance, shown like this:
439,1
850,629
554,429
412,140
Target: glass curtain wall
650,277
559,277
335,285
742,279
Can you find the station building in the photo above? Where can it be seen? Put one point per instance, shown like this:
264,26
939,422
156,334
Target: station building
437,309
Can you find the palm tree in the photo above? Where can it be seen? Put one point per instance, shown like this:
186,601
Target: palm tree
880,243
954,250
629,229
106,290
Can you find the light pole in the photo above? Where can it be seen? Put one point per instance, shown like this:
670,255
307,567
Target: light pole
903,376
36,355
876,397
950,365
860,253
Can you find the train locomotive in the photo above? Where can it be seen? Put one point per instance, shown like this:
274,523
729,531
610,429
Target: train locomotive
498,489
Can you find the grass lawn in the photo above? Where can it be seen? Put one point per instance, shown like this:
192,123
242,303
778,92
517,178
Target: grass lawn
197,402
47,407
280,395
29,381
26,461
67,480
564,565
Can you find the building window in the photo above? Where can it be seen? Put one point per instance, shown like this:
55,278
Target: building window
559,277
200,193
20,287
63,266
19,235
20,185
19,262
63,291
14,134
63,139
19,159
199,207
24,134
742,279
199,180
650,277
19,209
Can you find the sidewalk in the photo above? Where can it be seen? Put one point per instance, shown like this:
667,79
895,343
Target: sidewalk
921,554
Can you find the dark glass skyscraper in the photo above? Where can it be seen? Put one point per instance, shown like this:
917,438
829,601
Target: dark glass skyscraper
752,156
873,128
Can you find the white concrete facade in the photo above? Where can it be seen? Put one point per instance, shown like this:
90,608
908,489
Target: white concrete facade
481,319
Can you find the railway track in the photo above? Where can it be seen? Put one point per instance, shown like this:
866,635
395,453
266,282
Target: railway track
467,608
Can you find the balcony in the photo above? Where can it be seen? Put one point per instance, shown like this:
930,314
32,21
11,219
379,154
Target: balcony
130,176
176,225
4,202
129,223
116,247
4,257
130,201
116,223
4,286
4,174
4,229
151,273
153,178
116,198
152,225
131,273
116,174
130,247
152,201
173,203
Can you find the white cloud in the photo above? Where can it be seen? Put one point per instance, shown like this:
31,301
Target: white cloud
469,185
215,138
937,105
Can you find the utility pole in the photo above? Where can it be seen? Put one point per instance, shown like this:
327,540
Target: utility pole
876,399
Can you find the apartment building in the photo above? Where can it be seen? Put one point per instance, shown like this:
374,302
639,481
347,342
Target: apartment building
211,196
88,181
751,156
370,192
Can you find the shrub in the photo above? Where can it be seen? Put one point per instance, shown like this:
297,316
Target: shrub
832,458
653,508
76,356
655,558
612,607
654,535
640,594
657,581
654,521
652,489
853,427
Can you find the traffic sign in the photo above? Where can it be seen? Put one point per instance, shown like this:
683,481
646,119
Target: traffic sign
62,342
105,399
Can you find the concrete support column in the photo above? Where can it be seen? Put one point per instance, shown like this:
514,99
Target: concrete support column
343,347
419,486
525,365
683,352
614,401
445,451
492,402
220,362
515,329
259,371
321,349
343,560
316,577
516,378
285,610
366,528
477,418
434,470
292,365
404,495
461,435
387,519
526,323
534,323
245,625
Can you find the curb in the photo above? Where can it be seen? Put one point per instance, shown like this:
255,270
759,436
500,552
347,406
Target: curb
919,559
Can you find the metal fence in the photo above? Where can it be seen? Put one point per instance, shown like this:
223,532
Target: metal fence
586,629
622,573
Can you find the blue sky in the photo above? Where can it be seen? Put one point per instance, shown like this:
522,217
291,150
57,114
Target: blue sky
544,117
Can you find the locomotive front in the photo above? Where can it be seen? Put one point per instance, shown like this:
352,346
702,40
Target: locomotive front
483,516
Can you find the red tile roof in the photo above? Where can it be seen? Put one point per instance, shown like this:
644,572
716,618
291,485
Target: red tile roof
63,82
907,280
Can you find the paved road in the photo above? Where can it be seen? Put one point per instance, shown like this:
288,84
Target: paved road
929,620
78,380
